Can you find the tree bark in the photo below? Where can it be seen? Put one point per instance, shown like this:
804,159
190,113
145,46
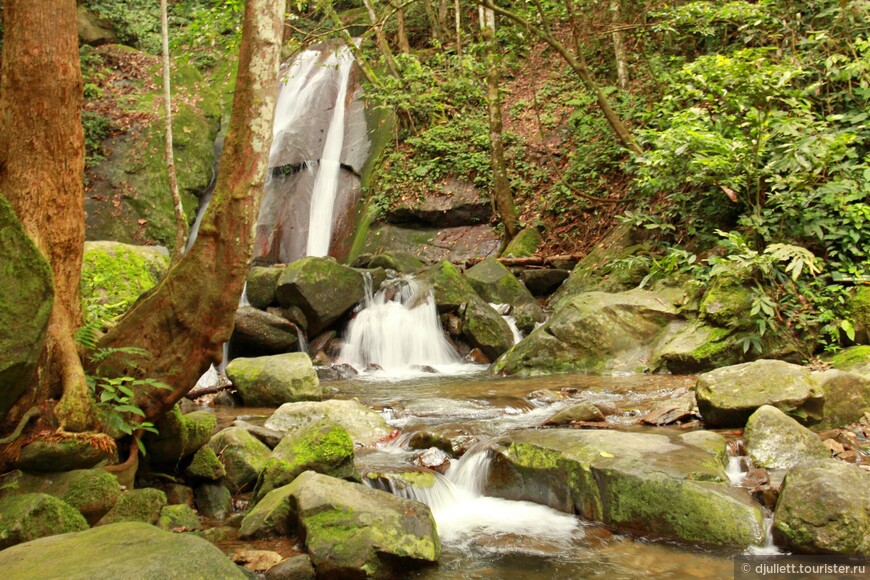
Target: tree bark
383,45
41,174
401,33
434,22
502,198
184,321
180,220
457,13
619,46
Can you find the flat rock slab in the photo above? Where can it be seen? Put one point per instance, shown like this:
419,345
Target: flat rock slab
651,481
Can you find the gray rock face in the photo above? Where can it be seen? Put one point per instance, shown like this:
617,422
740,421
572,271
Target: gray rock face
105,552
362,424
776,441
458,203
322,288
593,332
824,508
262,333
654,482
728,396
269,381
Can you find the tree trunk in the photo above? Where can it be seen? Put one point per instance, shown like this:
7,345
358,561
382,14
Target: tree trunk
457,13
401,33
180,220
618,46
383,45
502,198
434,22
41,174
184,321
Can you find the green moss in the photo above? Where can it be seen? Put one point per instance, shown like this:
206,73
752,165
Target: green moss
94,490
179,435
727,304
36,515
139,505
176,518
850,357
205,465
525,244
115,275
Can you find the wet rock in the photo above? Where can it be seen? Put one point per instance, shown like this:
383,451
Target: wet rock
30,516
258,332
457,203
257,560
242,455
496,284
593,332
65,455
322,288
261,285
178,518
268,436
578,412
138,505
525,244
179,436
546,395
206,465
293,314
728,396
402,262
652,482
670,411
776,441
423,440
295,568
322,342
433,458
92,492
27,297
105,552
824,508
485,329
336,372
269,381
321,447
362,424
214,501
698,348
543,282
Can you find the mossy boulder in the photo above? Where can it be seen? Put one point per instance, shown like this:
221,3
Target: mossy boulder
92,492
401,262
27,297
496,284
269,381
593,332
824,508
350,530
855,359
364,426
654,482
727,303
449,287
114,275
525,244
213,501
698,347
322,288
261,285
205,465
30,516
242,455
776,441
74,452
257,333
179,436
859,307
138,505
106,552
178,518
486,329
543,282
847,397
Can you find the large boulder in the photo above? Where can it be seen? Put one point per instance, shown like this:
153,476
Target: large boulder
114,275
269,381
25,305
593,332
322,288
242,455
824,508
776,441
855,359
138,505
261,285
524,244
106,552
543,282
449,287
179,436
30,516
66,454
363,425
654,482
457,203
699,347
847,396
496,284
256,332
319,447
350,530
92,492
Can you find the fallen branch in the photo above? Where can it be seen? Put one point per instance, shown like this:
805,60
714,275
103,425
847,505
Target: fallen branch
197,393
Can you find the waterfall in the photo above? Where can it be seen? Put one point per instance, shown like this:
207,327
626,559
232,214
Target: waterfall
503,309
398,329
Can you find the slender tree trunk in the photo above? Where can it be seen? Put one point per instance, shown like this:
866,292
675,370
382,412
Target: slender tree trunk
180,220
383,45
367,70
618,46
458,26
502,198
184,321
401,33
434,22
41,174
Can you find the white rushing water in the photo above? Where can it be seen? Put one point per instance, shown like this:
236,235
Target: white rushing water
503,309
398,330
463,515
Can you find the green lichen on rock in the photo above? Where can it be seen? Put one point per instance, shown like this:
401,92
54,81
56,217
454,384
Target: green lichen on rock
364,425
179,435
30,516
138,505
496,284
856,357
727,304
401,262
64,455
91,491
449,287
269,381
242,455
699,347
859,308
114,275
485,329
205,465
178,518
525,244
272,516
26,298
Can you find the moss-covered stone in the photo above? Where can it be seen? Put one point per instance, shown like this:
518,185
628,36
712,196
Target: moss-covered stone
524,245
402,262
698,348
65,455
449,287
179,436
178,518
496,284
776,441
242,455
485,329
362,424
269,381
25,304
205,465
214,501
727,303
139,505
261,285
114,275
30,516
92,492
859,307
847,397
320,447
854,359
105,552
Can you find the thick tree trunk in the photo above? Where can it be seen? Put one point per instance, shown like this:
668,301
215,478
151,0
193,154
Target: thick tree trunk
502,198
180,220
401,33
41,174
184,321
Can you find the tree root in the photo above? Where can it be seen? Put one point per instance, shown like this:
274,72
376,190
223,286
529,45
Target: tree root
30,414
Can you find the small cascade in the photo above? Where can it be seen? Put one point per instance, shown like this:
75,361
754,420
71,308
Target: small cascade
734,470
398,330
504,310
769,548
463,514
